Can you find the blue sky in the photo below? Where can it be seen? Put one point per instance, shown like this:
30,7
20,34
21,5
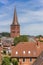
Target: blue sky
30,15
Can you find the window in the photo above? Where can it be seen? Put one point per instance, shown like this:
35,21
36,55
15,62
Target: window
16,52
0,44
29,52
17,31
23,52
13,31
9,51
30,59
23,59
18,59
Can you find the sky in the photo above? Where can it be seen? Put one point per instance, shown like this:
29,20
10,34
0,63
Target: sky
29,12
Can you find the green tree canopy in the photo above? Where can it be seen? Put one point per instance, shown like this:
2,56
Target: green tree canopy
15,62
5,34
22,38
38,36
6,61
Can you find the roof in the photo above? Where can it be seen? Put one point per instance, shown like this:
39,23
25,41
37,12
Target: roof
42,63
25,49
15,19
39,60
6,41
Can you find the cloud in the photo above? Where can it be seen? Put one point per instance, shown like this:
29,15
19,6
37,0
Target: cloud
2,15
5,28
30,15
4,1
5,23
33,29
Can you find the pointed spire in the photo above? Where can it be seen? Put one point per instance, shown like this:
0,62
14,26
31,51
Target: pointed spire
15,19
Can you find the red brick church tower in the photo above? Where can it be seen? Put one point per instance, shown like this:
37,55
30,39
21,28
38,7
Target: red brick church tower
15,27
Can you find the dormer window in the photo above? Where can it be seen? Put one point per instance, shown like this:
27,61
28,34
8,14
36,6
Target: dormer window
16,52
29,52
23,52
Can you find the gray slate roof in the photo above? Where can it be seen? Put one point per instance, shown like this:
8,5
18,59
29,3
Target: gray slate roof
39,60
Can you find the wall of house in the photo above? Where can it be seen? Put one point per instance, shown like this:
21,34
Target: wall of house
26,62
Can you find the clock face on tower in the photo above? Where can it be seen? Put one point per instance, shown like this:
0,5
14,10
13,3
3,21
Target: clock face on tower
15,27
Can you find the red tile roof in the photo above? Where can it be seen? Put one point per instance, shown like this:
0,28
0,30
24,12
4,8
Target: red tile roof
26,47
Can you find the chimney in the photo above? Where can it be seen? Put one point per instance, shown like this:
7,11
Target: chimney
38,44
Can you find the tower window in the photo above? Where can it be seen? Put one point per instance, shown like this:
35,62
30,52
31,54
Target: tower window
13,31
17,31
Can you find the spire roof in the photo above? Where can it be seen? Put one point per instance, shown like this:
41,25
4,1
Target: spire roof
15,19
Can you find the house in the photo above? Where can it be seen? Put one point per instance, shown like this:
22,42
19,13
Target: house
7,41
27,52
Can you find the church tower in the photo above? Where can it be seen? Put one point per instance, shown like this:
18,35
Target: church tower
15,27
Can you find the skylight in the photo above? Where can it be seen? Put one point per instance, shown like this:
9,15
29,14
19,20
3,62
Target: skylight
23,52
16,52
29,52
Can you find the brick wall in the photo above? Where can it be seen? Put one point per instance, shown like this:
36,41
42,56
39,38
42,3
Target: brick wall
26,62
15,31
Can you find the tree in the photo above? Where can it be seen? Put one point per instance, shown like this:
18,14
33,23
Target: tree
15,62
22,38
5,34
5,61
38,36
